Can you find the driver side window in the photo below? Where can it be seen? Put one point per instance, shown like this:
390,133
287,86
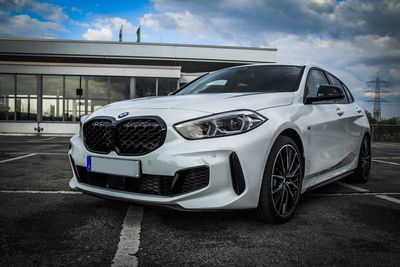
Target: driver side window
314,80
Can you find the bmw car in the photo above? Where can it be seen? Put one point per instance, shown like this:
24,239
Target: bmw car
246,137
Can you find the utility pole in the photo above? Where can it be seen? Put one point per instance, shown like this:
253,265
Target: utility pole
377,96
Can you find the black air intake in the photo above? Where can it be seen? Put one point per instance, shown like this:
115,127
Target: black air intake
238,182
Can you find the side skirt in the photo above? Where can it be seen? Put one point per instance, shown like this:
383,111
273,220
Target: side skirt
331,180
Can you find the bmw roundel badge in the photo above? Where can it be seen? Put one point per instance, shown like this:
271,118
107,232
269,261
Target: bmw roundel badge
123,114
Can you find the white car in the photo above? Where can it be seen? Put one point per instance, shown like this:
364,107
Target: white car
247,137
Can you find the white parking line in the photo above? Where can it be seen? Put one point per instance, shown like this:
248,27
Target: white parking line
387,162
359,189
129,239
34,141
352,194
392,199
39,140
21,157
385,158
38,153
384,145
40,192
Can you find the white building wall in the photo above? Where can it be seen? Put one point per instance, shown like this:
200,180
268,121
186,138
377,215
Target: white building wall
90,69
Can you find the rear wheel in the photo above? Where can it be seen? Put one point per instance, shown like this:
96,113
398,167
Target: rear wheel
362,173
281,185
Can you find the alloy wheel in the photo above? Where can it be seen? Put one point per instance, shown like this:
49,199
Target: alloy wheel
286,179
365,159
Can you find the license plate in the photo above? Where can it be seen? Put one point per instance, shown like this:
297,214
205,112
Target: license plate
123,167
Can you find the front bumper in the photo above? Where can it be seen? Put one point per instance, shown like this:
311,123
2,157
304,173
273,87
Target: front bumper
176,153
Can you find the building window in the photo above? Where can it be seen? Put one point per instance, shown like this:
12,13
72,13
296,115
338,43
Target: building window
26,99
119,88
97,88
53,94
7,97
145,87
67,98
74,104
166,85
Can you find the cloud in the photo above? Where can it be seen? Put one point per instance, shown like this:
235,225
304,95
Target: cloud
353,38
100,34
46,10
26,26
76,10
344,19
107,29
185,22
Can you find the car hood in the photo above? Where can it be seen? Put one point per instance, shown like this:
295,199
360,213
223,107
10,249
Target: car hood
207,103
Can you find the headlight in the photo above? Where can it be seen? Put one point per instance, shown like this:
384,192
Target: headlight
223,124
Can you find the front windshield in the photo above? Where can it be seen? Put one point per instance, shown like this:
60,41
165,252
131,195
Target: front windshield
259,79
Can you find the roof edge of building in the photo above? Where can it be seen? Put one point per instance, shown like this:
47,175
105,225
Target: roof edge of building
137,43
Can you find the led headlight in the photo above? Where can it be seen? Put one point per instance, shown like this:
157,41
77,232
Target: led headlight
222,124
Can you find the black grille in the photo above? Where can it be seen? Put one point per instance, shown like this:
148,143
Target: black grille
98,135
184,181
138,136
133,136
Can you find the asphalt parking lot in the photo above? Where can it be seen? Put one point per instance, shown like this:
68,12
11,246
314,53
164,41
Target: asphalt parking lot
43,223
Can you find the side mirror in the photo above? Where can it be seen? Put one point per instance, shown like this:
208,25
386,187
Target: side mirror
326,93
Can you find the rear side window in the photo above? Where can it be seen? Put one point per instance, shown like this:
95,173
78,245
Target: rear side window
314,80
335,81
348,93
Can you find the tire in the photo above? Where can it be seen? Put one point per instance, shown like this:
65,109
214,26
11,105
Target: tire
362,172
281,184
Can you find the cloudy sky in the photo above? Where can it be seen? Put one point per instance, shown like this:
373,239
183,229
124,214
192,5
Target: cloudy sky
354,39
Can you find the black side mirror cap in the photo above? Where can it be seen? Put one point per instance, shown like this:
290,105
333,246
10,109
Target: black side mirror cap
326,93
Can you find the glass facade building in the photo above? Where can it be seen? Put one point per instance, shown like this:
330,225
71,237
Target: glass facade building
47,85
64,98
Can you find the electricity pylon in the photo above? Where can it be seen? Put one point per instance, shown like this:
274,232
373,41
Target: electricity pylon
377,96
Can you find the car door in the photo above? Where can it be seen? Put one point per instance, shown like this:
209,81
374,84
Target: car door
353,114
325,132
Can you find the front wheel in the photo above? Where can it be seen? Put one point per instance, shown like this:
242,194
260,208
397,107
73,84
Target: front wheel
281,185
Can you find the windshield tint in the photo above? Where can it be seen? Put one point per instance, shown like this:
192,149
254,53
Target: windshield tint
263,79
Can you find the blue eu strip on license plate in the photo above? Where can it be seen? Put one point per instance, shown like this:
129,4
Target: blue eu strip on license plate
89,163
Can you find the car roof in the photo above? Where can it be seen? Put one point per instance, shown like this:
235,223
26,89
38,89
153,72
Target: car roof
275,64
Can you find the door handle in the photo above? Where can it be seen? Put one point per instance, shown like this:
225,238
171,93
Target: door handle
358,109
339,111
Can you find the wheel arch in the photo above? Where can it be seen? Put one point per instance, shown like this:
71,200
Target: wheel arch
293,134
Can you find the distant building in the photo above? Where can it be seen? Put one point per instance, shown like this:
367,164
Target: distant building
39,78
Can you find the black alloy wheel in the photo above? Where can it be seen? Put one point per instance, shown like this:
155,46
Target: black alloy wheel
362,173
281,186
